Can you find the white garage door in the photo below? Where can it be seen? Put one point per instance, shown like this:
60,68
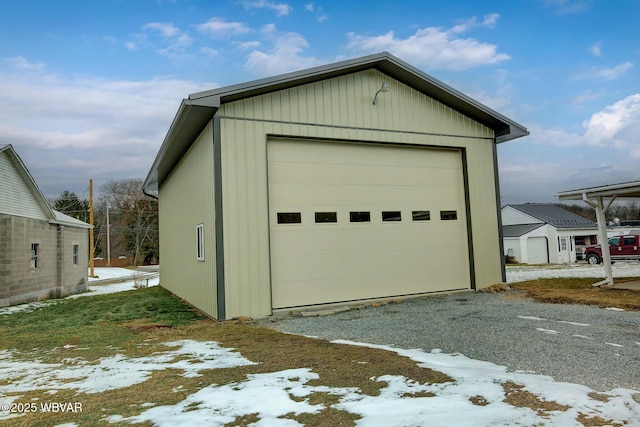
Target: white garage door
359,221
537,252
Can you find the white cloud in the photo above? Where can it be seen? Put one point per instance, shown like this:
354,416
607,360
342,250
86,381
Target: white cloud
254,44
309,7
281,9
611,73
70,130
167,30
284,55
568,6
173,42
606,151
434,47
208,52
489,21
218,27
596,49
618,125
21,63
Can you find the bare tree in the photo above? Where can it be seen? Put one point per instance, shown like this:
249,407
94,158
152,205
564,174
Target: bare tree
134,219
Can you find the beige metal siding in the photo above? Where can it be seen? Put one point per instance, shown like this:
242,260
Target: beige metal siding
186,200
15,196
314,263
338,109
348,101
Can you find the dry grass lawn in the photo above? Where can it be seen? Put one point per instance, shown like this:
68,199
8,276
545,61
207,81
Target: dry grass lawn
137,324
580,291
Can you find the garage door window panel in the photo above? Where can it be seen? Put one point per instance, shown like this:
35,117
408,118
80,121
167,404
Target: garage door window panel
448,215
289,218
326,217
421,215
360,216
391,216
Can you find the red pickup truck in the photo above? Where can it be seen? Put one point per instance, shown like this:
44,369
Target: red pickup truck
620,248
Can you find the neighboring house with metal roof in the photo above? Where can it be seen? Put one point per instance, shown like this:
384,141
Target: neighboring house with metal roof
540,233
43,253
359,180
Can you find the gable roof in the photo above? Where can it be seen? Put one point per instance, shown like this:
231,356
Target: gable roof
53,216
519,229
195,111
554,215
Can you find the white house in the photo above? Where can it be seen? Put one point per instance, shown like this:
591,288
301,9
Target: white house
540,233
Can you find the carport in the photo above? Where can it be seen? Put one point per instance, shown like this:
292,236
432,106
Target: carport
601,198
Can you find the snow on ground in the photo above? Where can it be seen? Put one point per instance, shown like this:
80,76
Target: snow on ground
272,395
110,274
520,273
103,273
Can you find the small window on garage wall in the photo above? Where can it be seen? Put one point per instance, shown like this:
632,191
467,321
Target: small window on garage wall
200,242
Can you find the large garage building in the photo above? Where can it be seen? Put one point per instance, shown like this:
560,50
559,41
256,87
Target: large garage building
358,180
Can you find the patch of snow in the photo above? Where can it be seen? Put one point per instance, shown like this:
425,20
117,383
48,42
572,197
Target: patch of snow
521,273
614,344
531,318
114,372
95,289
548,331
614,309
273,395
574,323
103,273
582,336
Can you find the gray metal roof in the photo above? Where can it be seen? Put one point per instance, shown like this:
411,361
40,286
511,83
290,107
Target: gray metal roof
519,229
555,215
622,190
199,108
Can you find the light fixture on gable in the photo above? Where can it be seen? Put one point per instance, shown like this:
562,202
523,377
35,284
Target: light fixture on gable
384,88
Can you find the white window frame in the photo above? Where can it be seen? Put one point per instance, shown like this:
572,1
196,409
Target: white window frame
200,242
75,253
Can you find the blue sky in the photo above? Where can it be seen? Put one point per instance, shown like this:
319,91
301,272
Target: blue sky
88,89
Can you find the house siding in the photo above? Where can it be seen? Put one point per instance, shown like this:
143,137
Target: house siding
339,109
186,199
16,198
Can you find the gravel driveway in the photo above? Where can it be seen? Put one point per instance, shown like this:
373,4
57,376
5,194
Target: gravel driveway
596,347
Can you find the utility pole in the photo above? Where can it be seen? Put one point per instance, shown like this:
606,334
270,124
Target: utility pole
91,250
108,239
